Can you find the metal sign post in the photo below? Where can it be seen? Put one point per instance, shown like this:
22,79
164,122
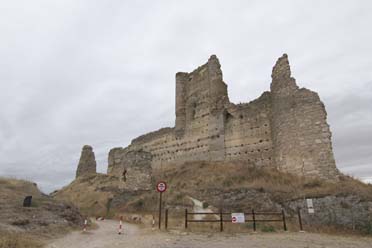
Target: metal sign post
160,187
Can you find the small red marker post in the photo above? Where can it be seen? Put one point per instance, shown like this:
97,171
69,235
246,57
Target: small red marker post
160,187
120,225
85,225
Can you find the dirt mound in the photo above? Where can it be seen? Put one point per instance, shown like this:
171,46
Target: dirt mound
46,217
91,194
104,195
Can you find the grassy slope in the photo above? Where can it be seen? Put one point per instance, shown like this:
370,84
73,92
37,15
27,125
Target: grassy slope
203,180
90,194
26,227
14,190
232,186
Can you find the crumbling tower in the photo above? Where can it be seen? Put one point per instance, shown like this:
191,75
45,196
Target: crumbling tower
300,133
201,97
87,163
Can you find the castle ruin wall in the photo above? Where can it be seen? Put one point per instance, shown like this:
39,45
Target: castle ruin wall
285,128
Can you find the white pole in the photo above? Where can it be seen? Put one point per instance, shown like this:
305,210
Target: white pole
120,224
85,225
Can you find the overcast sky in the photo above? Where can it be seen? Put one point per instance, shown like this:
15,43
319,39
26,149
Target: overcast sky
102,72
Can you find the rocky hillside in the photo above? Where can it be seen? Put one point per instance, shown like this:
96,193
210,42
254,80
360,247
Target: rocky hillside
101,195
234,186
346,203
44,219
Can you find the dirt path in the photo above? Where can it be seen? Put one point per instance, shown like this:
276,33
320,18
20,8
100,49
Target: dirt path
106,236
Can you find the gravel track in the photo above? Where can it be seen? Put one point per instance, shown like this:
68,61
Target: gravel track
136,237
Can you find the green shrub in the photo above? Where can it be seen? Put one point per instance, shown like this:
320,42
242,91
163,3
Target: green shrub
368,228
267,229
227,182
140,204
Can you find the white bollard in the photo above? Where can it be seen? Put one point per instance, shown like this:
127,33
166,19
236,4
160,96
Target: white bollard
120,224
153,223
85,225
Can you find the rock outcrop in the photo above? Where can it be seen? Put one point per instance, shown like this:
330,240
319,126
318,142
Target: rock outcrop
87,163
347,211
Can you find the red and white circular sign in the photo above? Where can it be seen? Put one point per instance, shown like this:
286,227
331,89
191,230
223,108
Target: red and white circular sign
233,219
161,187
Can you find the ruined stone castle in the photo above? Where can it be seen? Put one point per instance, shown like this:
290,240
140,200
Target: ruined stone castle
285,128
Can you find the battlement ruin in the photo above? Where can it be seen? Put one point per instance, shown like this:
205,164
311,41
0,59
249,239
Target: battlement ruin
285,128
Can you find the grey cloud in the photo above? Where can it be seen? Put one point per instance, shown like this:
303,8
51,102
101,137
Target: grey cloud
75,73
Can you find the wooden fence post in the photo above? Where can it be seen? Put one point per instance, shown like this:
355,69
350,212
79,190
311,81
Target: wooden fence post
299,218
221,221
166,218
284,223
254,220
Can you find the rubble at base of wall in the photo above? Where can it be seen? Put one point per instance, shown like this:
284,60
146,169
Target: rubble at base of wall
348,212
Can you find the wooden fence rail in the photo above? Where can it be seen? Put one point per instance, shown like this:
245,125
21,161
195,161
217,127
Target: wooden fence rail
255,218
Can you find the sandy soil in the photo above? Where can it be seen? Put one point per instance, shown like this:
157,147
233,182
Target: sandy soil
106,236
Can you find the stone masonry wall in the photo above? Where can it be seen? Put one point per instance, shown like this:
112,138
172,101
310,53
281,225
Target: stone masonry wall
285,127
301,135
133,167
248,132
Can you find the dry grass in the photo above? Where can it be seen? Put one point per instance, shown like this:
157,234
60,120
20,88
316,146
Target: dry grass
25,227
90,194
14,190
197,177
19,240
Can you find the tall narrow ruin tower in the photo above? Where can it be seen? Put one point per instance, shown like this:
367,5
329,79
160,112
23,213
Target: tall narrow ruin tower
301,136
87,163
200,100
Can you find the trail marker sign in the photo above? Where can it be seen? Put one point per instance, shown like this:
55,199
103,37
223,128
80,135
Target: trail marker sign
161,187
310,206
237,218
